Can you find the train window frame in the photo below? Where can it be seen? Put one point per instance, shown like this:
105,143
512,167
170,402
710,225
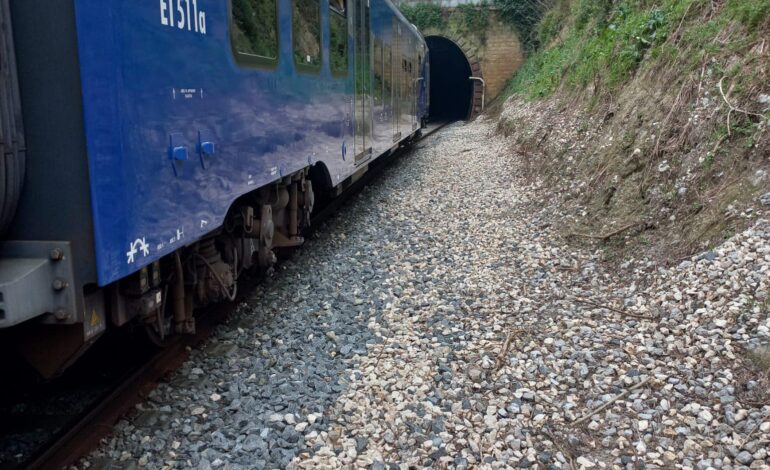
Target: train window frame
383,73
343,14
378,66
388,74
245,59
304,67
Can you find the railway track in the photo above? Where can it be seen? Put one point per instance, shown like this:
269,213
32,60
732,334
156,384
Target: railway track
82,431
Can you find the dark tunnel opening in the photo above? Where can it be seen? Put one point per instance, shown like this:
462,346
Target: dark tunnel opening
451,91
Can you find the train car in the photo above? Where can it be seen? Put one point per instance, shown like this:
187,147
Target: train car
156,150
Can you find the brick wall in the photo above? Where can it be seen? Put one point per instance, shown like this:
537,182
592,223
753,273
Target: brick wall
500,57
495,59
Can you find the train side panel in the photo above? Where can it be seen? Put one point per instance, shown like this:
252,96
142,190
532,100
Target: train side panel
156,94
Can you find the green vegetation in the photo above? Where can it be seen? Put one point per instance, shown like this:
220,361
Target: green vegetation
255,27
306,31
525,16
469,20
424,15
760,358
662,110
603,42
338,43
752,13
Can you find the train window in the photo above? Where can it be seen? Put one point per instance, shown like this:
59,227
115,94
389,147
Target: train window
254,31
338,41
378,66
382,72
306,28
387,83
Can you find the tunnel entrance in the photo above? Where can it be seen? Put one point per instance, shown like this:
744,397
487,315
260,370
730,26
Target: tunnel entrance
451,92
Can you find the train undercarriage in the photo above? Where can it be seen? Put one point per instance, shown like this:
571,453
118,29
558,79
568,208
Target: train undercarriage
161,298
165,295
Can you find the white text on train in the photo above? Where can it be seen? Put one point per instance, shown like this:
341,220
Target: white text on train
183,14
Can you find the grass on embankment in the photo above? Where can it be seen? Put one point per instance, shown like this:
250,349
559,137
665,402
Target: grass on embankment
667,105
605,42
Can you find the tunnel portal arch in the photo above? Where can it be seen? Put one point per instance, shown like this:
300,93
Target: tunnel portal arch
453,95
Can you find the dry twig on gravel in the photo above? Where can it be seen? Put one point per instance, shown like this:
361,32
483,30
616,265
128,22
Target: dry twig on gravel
611,308
613,400
565,452
603,237
500,362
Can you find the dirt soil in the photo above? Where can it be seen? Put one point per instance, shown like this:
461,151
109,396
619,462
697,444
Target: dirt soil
645,173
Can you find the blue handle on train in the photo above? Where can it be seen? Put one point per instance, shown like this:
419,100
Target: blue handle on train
207,148
178,153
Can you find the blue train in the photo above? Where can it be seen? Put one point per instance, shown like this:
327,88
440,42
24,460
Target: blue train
155,150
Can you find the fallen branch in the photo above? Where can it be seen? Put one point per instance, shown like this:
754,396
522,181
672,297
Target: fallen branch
612,400
700,83
598,176
636,438
748,436
679,28
733,108
603,237
567,454
611,308
545,135
656,152
500,362
718,144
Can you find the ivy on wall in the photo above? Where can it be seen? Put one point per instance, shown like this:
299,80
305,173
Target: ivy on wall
471,19
466,20
525,15
424,15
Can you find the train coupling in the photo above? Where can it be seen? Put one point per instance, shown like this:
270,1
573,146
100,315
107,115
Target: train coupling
36,280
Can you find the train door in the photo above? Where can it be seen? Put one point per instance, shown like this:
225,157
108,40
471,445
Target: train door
426,82
387,91
413,92
395,68
363,80
416,79
409,82
378,86
405,94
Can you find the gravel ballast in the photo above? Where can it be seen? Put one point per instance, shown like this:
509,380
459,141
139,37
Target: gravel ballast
440,321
